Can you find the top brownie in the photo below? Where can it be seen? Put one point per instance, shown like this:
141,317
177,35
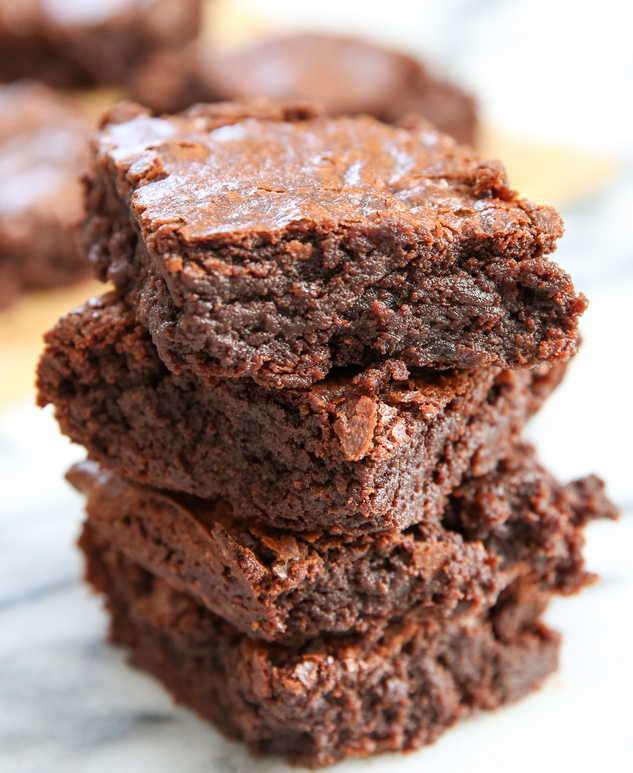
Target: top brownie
276,243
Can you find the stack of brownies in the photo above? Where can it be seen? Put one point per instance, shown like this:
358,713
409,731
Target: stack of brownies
309,507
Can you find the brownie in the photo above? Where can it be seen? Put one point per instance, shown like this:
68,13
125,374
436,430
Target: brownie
336,697
43,150
357,452
86,43
345,75
515,522
274,243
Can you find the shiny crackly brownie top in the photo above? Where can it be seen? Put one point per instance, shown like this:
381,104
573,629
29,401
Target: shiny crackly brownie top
231,172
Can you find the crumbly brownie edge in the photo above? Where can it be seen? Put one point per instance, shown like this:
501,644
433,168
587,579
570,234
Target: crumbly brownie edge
336,698
299,459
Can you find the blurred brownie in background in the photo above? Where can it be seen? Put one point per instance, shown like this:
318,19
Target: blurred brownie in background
345,75
90,42
43,151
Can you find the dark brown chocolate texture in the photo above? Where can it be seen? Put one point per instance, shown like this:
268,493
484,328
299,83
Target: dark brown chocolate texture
43,151
358,452
516,523
347,76
277,244
309,508
86,43
336,697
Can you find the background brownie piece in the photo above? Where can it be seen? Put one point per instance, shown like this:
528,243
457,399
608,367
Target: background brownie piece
171,81
345,75
43,150
275,244
285,587
336,697
85,43
357,452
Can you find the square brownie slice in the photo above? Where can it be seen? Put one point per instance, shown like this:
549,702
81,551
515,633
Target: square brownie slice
87,43
276,243
43,152
360,451
336,697
515,522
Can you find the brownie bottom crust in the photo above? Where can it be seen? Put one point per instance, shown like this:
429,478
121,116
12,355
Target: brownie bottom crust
335,697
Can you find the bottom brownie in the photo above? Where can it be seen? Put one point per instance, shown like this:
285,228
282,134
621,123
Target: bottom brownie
336,697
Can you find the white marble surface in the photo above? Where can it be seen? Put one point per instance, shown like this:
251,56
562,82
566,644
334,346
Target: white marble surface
69,704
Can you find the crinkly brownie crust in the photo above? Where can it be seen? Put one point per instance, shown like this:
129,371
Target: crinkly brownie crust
273,585
337,697
358,452
43,151
275,243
